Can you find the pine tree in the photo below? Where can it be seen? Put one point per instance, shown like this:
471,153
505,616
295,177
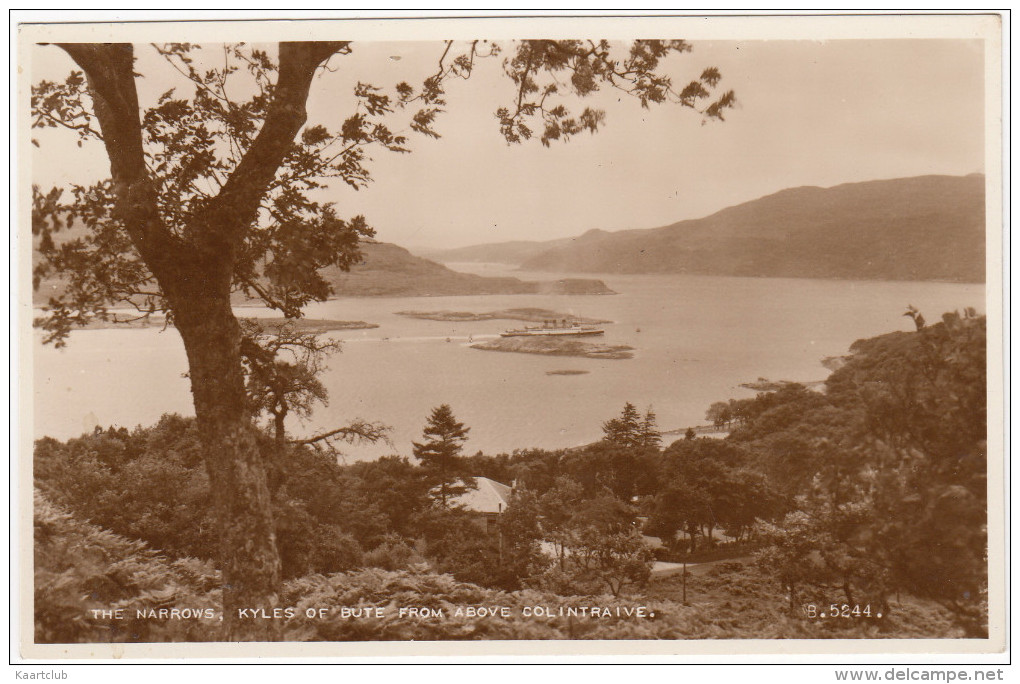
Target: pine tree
649,435
631,430
440,453
625,430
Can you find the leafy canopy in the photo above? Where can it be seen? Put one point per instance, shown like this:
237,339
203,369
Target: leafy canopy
200,136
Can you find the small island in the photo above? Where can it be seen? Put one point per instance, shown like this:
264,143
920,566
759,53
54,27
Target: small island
314,326
557,346
529,314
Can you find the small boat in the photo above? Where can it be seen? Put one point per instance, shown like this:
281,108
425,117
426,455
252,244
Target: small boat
566,330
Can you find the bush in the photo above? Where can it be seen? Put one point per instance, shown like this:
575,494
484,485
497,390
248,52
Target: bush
80,568
148,484
393,554
720,551
151,484
335,550
599,562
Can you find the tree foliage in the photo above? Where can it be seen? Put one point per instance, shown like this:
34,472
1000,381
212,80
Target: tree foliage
891,467
506,556
631,430
79,568
439,454
214,190
203,150
193,142
600,548
708,484
148,484
283,369
151,484
544,70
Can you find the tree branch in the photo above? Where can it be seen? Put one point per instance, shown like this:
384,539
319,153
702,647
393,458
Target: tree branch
80,128
272,302
109,70
358,431
237,203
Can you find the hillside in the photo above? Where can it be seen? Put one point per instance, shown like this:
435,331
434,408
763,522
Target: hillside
922,228
166,600
389,270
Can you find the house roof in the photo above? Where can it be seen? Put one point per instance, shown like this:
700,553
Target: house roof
489,496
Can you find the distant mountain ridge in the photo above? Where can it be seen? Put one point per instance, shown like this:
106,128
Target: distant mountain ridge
388,270
513,252
919,228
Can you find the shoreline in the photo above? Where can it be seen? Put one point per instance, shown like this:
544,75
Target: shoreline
303,325
527,314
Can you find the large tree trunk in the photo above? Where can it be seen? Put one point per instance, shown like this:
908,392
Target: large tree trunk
249,559
195,276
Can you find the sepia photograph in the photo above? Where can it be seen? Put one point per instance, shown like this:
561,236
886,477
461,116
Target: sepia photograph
641,335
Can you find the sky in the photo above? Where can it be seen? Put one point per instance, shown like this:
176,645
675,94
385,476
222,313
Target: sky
808,113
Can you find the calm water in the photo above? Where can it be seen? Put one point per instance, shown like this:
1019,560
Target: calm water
696,338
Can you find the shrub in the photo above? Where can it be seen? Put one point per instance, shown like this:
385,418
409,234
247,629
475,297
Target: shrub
335,550
598,562
80,568
148,484
392,554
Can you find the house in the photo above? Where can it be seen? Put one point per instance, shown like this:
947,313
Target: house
488,499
